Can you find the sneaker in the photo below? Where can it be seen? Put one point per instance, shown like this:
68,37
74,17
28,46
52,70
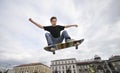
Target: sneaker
53,47
70,40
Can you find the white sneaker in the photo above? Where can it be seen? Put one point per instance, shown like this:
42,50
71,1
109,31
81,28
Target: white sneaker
70,40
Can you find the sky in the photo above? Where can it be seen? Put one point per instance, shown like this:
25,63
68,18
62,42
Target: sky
22,42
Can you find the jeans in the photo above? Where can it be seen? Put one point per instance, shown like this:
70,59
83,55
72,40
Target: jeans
51,40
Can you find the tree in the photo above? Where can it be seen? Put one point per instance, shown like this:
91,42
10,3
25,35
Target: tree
68,71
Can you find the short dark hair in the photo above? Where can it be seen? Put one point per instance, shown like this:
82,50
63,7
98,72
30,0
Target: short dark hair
53,18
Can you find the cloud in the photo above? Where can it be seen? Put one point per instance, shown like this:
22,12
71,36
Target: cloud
23,42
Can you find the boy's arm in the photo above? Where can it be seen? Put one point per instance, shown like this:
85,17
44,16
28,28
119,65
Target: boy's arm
39,25
74,25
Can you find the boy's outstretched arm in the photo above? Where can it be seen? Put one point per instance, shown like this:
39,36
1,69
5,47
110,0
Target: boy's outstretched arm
39,25
74,25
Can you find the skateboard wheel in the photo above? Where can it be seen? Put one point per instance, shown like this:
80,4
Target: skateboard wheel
53,52
76,47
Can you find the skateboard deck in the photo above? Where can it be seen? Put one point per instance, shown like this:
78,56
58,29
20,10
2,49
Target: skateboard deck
65,45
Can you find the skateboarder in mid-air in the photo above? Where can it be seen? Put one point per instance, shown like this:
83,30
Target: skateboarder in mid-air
54,36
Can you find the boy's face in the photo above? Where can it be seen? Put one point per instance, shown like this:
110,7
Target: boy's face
53,22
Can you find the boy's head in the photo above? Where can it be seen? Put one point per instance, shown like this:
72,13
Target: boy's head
53,20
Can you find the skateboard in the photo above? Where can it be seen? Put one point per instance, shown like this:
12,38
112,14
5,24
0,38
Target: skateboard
65,45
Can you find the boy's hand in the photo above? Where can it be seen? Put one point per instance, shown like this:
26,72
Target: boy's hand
39,25
76,25
30,19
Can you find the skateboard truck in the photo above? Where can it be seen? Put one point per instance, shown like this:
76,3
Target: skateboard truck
53,50
76,45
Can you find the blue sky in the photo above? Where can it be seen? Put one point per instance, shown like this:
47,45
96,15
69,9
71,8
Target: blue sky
23,42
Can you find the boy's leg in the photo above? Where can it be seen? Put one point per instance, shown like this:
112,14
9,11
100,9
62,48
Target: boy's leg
50,41
49,38
63,35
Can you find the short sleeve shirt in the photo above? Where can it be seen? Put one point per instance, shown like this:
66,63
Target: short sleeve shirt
54,30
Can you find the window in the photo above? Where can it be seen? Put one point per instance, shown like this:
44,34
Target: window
72,61
59,67
52,63
113,64
73,66
62,67
62,62
68,61
66,67
55,62
79,70
85,66
65,62
22,71
74,71
56,68
115,68
52,68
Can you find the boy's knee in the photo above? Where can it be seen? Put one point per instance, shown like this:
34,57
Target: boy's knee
64,32
47,34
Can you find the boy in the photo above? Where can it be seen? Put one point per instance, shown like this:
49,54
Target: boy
54,37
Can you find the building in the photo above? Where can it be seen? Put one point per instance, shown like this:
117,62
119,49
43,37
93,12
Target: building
4,70
114,63
95,65
91,66
64,66
10,71
32,68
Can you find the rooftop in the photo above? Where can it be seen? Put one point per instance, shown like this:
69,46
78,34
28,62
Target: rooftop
30,64
88,62
64,59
